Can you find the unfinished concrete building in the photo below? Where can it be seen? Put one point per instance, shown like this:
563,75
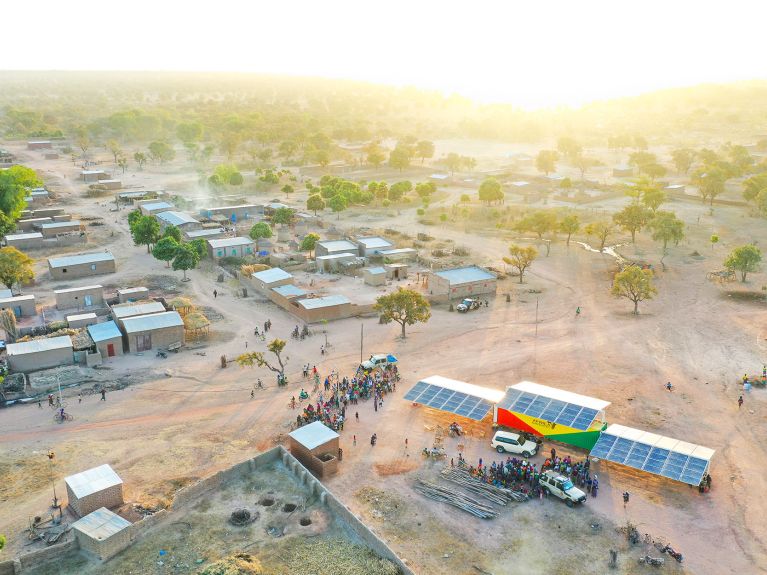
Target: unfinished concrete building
102,533
94,488
316,446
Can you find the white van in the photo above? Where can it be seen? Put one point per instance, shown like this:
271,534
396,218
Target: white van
507,442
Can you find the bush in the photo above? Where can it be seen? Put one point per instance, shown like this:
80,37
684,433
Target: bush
232,261
420,211
386,203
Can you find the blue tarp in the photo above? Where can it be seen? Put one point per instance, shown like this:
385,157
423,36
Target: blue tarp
391,359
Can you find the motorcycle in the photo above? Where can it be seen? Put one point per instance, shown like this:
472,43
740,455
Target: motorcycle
435,452
654,561
161,354
675,554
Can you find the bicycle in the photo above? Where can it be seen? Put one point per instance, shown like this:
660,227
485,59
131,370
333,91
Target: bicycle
62,417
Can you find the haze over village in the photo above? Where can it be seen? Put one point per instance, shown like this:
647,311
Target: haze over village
288,294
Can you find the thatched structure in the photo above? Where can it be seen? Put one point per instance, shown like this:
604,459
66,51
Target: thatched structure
196,324
183,305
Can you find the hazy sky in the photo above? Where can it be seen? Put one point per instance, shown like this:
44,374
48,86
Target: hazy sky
529,52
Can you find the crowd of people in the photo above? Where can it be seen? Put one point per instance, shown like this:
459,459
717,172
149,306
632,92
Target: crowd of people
338,393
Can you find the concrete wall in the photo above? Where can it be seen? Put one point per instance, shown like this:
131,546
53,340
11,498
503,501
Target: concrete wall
34,559
25,306
77,322
28,225
48,213
161,338
231,251
25,243
110,498
133,296
76,299
311,458
41,360
65,229
102,346
266,288
105,548
439,286
83,270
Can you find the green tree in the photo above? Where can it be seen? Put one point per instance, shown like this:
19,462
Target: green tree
653,197
375,154
654,171
714,240
635,284
710,181
122,163
200,246
424,149
570,225
309,242
165,249
569,147
189,132
546,161
133,217
399,189
632,219
287,149
338,204
229,144
259,231
641,159
405,307
14,183
585,163
453,162
753,186
683,159
601,231
399,158
666,227
145,232
490,191
283,216
566,184
539,222
114,148
15,267
172,231
425,189
236,179
161,152
276,347
287,189
140,159
315,203
82,140
522,257
186,258
745,259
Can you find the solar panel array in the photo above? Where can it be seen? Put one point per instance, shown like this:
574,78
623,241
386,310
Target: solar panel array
445,399
540,407
665,462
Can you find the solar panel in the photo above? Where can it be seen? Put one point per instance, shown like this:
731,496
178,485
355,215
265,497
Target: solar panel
542,407
659,461
508,400
449,400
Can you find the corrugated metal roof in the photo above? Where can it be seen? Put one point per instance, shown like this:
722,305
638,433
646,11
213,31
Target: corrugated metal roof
39,345
104,331
76,289
229,242
203,233
320,302
80,259
101,524
123,311
176,218
152,321
374,242
151,206
60,224
229,208
375,270
138,289
465,275
271,275
5,293
289,290
337,256
313,435
81,316
29,236
561,395
16,298
399,251
92,480
338,245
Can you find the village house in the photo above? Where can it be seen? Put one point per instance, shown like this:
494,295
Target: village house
40,354
124,311
51,230
30,224
336,262
20,305
81,265
374,276
182,221
94,488
93,176
373,246
332,247
399,255
38,195
316,446
462,282
159,330
132,294
152,207
84,297
233,213
238,247
39,145
78,320
25,241
271,278
108,338
205,234
326,308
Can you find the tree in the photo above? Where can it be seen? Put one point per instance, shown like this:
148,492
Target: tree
452,162
161,152
405,307
710,181
425,189
490,191
122,162
315,203
641,159
375,154
276,346
600,230
189,132
229,143
546,161
654,171
653,197
114,148
82,140
140,158
399,158
15,267
714,240
569,148
540,222
635,284
186,258
399,189
585,163
666,227
145,232
287,189
259,231
632,219
287,149
283,216
236,179
309,242
265,155
14,183
522,257
570,225
424,149
200,246
744,259
753,186
133,217
172,232
8,323
338,204
683,159
165,249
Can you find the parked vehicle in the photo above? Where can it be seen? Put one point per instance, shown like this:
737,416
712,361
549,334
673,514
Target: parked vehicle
561,486
379,360
468,304
507,442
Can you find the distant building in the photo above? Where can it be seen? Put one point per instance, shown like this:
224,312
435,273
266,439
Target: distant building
205,234
39,145
51,230
30,224
238,247
373,245
289,292
93,176
132,294
25,241
111,184
400,255
374,276
234,213
271,278
102,533
335,262
155,331
151,208
82,265
107,337
94,488
326,308
40,354
20,305
623,171
182,221
79,320
84,297
331,247
462,282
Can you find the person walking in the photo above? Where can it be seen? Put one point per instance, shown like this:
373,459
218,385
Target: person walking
669,386
215,294
357,416
354,438
79,397
625,499
406,444
39,403
740,402
578,311
252,394
103,395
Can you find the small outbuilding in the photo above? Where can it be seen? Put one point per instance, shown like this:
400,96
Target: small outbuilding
396,271
25,241
39,195
51,230
123,311
79,320
31,224
40,354
107,337
158,330
80,297
20,305
238,247
331,247
93,176
205,234
132,294
152,207
327,308
233,213
400,255
316,446
373,246
111,184
39,145
374,276
334,262
289,292
181,220
81,265
462,282
102,533
271,278
94,488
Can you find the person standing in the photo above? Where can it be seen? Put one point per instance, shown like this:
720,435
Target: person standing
740,402
79,397
625,499
215,294
103,395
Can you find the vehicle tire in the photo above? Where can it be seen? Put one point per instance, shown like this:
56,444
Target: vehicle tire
526,454
500,449
569,503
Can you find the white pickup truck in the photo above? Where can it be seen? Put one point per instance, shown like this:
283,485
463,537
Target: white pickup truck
380,360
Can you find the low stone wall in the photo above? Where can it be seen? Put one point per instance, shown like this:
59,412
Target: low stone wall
7,568
35,558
